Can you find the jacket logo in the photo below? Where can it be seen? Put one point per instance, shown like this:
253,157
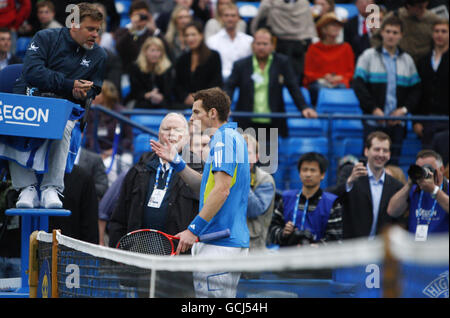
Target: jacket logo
85,62
438,288
33,47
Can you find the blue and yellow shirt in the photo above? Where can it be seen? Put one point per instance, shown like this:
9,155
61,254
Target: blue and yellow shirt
228,153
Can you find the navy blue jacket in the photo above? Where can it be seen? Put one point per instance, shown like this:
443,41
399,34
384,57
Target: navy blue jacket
53,62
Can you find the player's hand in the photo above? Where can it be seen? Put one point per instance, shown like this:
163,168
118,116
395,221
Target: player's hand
358,171
164,149
187,239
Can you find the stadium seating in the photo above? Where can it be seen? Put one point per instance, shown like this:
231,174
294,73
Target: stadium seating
150,121
337,100
304,127
141,144
22,45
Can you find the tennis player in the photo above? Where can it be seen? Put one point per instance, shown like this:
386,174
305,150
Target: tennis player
223,189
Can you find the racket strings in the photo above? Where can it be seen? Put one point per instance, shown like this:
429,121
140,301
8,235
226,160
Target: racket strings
147,242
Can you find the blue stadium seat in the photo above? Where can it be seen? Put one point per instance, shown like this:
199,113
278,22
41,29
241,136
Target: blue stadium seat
294,147
150,121
8,77
141,145
123,7
410,148
338,100
343,128
348,146
22,45
289,103
305,127
247,10
351,9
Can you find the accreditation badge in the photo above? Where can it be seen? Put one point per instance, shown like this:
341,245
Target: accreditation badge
156,198
421,232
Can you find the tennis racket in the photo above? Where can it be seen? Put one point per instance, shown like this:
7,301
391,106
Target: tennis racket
155,242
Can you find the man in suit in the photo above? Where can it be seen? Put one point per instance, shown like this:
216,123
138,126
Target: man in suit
6,57
356,31
260,79
367,192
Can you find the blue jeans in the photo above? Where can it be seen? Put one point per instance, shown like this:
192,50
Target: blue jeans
10,267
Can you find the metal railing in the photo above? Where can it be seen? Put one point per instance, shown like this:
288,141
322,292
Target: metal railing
123,118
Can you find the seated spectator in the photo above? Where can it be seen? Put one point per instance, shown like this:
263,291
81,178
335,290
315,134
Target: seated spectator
310,215
263,72
106,40
6,57
327,63
357,33
46,15
425,200
417,24
129,39
386,83
292,23
261,198
215,24
199,68
366,193
151,76
179,19
80,198
396,172
231,43
433,71
136,208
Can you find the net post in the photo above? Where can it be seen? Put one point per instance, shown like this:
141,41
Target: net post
391,268
33,265
55,265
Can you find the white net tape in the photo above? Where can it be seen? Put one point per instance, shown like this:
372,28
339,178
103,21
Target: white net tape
350,253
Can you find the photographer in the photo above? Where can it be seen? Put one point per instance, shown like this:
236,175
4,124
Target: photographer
425,196
310,215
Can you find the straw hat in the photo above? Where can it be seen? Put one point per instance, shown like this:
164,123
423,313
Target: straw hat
326,19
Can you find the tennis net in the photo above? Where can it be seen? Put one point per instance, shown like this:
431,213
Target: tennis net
392,265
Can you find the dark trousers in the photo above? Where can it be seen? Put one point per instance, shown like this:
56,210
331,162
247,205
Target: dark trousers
295,51
396,133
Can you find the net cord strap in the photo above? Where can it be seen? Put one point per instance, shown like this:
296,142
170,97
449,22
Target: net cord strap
350,253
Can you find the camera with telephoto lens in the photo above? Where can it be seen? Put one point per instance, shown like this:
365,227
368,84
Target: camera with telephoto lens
304,237
416,172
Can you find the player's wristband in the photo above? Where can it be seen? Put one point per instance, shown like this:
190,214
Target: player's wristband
178,164
197,225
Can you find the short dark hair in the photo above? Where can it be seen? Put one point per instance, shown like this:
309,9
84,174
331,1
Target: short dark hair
89,10
5,30
214,98
313,157
138,5
378,135
392,20
48,4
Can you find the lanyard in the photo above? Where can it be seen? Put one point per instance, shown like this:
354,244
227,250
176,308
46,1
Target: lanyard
158,172
419,207
305,209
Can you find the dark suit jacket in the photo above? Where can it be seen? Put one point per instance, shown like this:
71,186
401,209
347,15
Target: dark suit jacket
280,74
351,36
93,164
358,212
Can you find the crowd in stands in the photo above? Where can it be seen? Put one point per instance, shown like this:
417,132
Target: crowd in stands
394,57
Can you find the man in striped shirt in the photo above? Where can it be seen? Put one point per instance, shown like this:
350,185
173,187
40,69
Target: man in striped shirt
310,215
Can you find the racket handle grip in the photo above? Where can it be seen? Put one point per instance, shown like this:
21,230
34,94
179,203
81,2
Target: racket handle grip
214,235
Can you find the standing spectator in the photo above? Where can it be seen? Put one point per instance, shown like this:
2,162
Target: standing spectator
199,68
433,71
327,63
386,82
81,199
356,31
367,192
231,44
6,57
129,39
46,15
215,24
151,76
135,209
260,79
310,215
426,199
292,23
261,198
417,26
179,19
